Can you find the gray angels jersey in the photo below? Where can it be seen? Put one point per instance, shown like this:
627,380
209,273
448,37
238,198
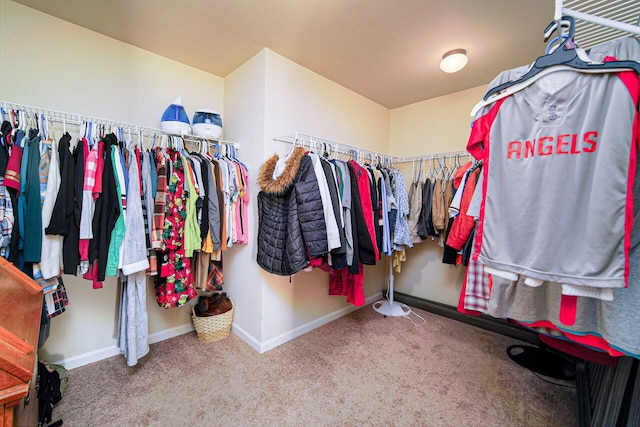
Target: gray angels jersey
559,162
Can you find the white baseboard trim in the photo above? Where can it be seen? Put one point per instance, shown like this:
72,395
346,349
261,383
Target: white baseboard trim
308,327
260,347
171,332
87,358
246,337
106,352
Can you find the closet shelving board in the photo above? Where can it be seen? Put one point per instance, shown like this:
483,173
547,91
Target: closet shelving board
79,119
352,150
599,21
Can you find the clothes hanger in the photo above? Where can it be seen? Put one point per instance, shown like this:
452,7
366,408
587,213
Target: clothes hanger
413,170
42,126
434,170
87,133
36,125
14,120
325,154
567,56
50,129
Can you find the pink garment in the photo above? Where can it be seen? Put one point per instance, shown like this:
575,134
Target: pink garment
244,202
316,262
92,274
97,187
343,283
90,166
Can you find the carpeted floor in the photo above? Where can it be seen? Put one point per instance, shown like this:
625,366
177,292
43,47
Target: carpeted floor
360,370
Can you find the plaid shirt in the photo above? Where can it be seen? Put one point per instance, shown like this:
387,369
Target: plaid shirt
6,219
401,235
478,287
157,226
57,300
215,278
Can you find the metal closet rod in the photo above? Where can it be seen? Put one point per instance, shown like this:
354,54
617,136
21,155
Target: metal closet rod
338,147
432,156
331,146
79,119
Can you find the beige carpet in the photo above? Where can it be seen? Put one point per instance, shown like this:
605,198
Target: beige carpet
360,370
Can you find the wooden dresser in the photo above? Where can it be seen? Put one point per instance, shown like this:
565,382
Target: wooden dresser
20,311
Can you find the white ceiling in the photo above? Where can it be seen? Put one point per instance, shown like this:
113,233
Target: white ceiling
385,50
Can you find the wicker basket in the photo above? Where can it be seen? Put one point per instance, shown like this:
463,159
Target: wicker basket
213,328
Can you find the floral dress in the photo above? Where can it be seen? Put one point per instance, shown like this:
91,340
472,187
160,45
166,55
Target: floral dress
175,288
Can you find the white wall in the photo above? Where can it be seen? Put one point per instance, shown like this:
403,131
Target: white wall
298,99
245,103
53,64
271,96
436,125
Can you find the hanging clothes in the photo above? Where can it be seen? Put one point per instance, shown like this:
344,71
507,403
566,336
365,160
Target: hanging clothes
133,321
425,227
114,258
51,250
65,217
29,202
463,223
587,293
107,211
415,206
363,211
176,287
290,215
338,255
343,185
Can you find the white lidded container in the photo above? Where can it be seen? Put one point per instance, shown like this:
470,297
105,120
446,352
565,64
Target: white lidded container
207,123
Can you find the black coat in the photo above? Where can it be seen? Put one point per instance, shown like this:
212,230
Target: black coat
291,223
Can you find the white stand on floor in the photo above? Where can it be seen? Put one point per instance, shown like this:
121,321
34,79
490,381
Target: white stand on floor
390,307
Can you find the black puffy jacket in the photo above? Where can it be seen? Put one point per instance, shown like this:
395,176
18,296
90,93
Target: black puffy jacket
290,216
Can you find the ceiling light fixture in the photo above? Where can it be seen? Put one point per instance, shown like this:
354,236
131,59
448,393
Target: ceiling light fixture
454,61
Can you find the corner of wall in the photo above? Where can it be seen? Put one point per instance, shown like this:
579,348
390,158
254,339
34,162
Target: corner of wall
244,106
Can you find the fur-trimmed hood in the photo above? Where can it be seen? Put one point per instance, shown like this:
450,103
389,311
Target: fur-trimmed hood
283,183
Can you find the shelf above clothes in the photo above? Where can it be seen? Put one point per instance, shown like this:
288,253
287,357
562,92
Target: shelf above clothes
600,21
81,120
333,147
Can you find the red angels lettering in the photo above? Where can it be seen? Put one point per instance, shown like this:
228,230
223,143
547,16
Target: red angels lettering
545,150
574,144
529,148
562,144
590,139
514,149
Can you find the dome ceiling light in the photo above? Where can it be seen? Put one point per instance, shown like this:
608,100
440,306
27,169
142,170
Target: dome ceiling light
454,61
